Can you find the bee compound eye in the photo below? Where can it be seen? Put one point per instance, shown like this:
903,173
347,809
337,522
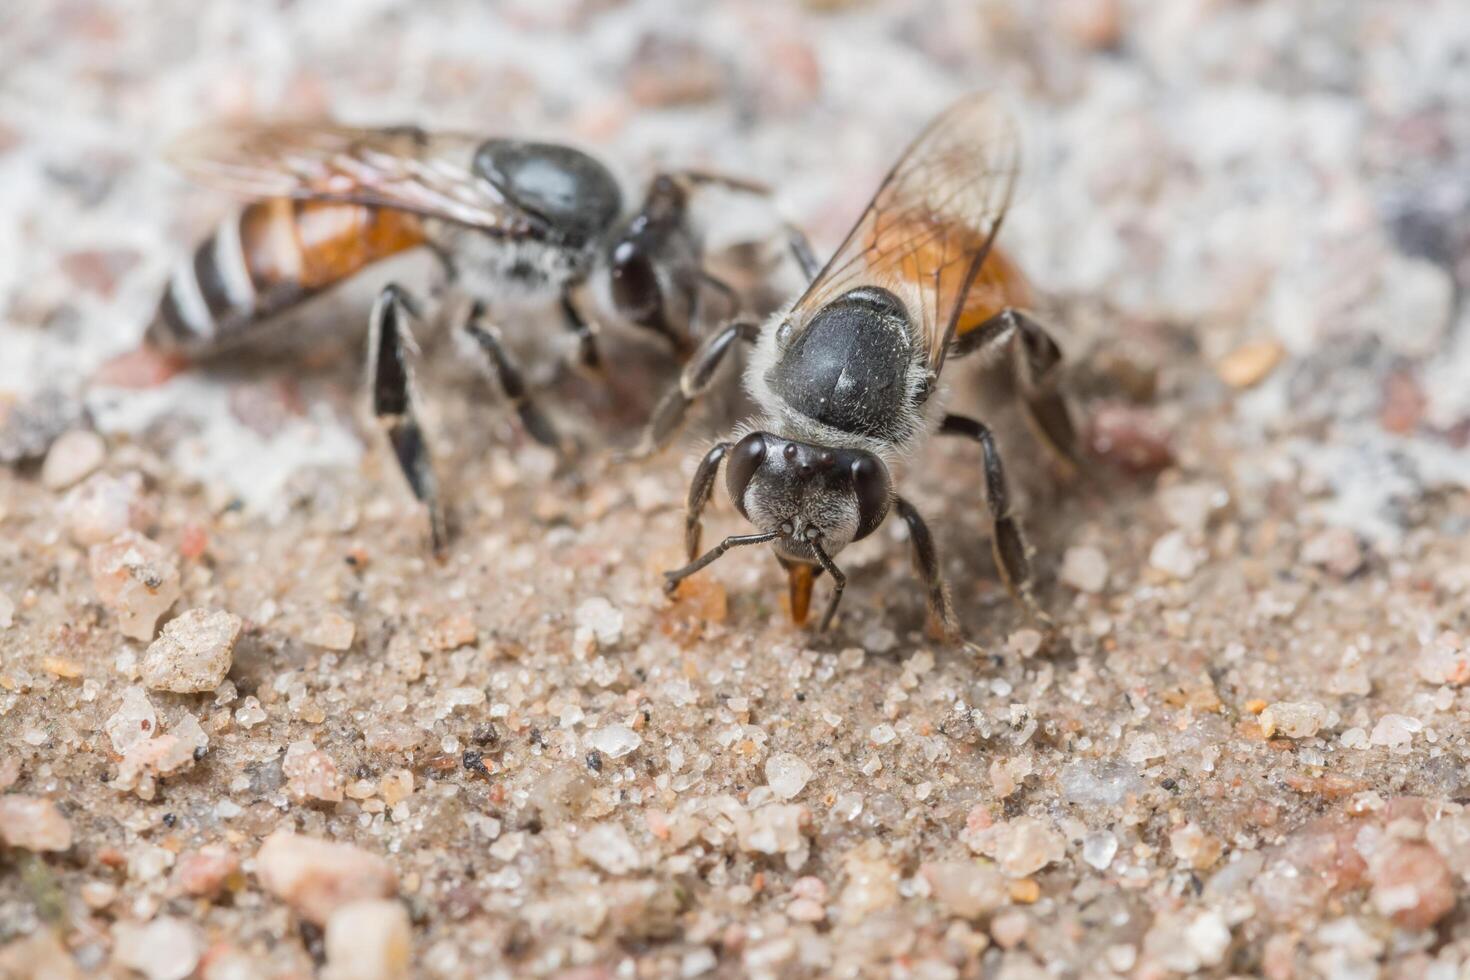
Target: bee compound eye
873,489
747,456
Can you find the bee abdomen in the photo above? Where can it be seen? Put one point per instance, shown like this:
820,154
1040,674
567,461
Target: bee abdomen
267,259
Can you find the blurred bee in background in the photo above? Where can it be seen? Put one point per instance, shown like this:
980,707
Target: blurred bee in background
510,220
847,378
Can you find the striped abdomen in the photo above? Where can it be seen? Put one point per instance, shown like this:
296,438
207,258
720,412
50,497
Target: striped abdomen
265,260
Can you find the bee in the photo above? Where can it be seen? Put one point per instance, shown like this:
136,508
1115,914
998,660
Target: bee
510,220
848,377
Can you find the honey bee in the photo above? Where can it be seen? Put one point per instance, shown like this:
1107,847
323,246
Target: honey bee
509,219
847,377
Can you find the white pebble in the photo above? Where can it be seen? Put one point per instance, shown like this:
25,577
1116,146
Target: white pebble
608,846
614,741
73,456
1174,555
133,722
316,877
33,823
787,774
601,617
369,940
1395,730
165,949
137,579
193,653
1293,719
1099,848
1085,569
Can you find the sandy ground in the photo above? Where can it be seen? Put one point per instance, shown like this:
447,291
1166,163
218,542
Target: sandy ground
1243,750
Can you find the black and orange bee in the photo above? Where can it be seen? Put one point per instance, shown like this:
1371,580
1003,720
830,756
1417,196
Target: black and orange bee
510,220
848,377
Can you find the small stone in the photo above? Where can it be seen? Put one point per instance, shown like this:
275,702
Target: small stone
1188,506
40,955
1336,550
165,949
1411,884
1025,642
205,872
165,755
1393,731
602,618
1175,556
1194,848
607,845
970,889
369,940
135,578
787,774
396,786
1445,660
1292,719
250,713
882,734
1009,929
1021,847
1144,747
1250,363
1085,569
332,632
33,823
776,828
193,653
614,741
72,457
310,773
315,877
1099,848
452,632
133,722
872,883
103,507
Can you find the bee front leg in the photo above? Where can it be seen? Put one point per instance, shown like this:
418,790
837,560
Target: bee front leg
1012,556
508,375
926,565
700,489
696,378
390,345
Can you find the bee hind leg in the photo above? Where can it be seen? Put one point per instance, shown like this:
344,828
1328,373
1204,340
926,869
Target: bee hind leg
926,566
1035,359
390,374
1012,555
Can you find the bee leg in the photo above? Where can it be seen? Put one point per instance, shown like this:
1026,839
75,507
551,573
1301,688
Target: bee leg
1012,556
839,584
1035,359
390,344
694,381
587,351
801,250
700,489
926,564
672,579
508,375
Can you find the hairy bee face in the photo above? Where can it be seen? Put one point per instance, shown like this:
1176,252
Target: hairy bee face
808,493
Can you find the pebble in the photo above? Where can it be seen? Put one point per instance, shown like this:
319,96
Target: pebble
1193,848
602,618
1188,506
39,956
787,774
970,889
205,872
165,755
1411,884
872,883
1144,747
194,652
1250,363
1021,847
72,457
1085,569
33,823
451,633
614,741
1444,660
1292,719
133,722
315,877
135,578
103,507
1336,550
1393,731
1099,848
1175,556
369,940
310,773
608,846
776,828
165,949
332,632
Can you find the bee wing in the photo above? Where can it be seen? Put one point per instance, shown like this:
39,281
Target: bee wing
930,227
403,168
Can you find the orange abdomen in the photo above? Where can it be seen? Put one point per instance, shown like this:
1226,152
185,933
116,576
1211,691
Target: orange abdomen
267,259
999,284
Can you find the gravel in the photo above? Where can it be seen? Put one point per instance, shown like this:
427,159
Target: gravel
1242,750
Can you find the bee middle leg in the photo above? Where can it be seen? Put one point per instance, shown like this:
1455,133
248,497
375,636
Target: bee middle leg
390,345
1036,357
926,564
696,378
508,375
1012,556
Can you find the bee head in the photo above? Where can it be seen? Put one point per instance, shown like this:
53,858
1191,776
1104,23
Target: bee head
808,493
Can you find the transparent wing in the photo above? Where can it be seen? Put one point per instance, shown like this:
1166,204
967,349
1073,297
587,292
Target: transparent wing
930,227
403,168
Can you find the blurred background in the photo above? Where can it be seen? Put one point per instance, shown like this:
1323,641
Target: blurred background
1200,176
